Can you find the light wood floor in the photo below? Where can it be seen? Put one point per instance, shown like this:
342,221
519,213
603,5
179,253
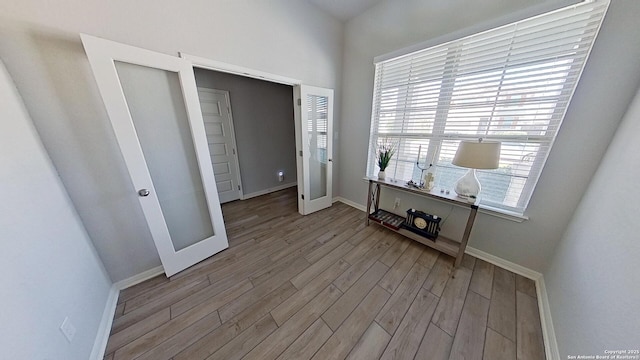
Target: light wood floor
322,287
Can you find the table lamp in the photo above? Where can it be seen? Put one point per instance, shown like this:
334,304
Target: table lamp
474,154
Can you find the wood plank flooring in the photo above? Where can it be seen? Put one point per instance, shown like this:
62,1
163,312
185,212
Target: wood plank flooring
325,286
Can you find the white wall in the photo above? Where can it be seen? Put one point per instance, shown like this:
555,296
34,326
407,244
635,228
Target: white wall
264,128
592,281
49,267
40,45
605,90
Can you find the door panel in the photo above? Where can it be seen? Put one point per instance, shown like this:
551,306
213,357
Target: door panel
218,124
152,102
316,146
164,135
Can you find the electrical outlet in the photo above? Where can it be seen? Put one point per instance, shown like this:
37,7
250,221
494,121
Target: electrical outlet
280,176
67,328
396,204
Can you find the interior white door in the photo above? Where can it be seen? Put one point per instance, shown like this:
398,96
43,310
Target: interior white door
152,102
218,125
314,126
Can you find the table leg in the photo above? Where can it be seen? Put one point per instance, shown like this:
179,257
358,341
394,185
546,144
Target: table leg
465,237
369,196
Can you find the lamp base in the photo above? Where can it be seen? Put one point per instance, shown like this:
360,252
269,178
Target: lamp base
468,186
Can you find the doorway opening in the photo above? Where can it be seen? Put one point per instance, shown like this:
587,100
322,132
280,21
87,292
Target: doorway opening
313,131
250,133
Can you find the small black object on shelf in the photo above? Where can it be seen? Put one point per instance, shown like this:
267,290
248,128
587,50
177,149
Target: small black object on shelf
387,219
423,224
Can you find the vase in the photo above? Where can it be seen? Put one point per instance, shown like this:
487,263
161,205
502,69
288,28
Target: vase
381,175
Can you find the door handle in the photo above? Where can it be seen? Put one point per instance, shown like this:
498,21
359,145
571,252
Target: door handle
143,192
330,160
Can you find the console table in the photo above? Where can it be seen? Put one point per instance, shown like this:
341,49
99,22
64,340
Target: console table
441,243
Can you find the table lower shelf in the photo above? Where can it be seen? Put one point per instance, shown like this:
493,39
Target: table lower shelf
441,243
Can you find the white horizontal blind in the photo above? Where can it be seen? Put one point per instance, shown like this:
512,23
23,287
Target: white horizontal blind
318,115
511,84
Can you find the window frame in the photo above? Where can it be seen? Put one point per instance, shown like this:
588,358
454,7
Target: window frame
446,89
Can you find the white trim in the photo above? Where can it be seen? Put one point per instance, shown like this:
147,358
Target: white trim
297,124
350,203
508,19
232,134
504,214
397,72
235,144
204,63
505,264
305,120
548,332
136,279
269,190
104,329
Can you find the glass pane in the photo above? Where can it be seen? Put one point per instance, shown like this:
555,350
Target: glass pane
318,111
159,115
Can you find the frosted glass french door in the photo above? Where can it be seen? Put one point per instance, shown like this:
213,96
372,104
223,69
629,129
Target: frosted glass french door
152,102
315,153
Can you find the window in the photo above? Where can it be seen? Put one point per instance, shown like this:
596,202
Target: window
317,110
511,84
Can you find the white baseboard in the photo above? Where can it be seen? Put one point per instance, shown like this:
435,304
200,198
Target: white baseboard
268,191
548,333
104,329
505,264
350,203
136,279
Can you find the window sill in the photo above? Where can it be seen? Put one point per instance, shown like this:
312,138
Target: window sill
507,215
503,214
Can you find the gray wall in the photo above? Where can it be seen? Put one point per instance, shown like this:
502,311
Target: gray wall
50,268
40,45
592,282
605,90
264,127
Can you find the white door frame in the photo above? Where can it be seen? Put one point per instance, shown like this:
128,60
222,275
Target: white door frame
214,65
208,64
102,55
233,138
312,205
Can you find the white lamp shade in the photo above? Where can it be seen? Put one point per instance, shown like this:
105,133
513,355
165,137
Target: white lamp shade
477,154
